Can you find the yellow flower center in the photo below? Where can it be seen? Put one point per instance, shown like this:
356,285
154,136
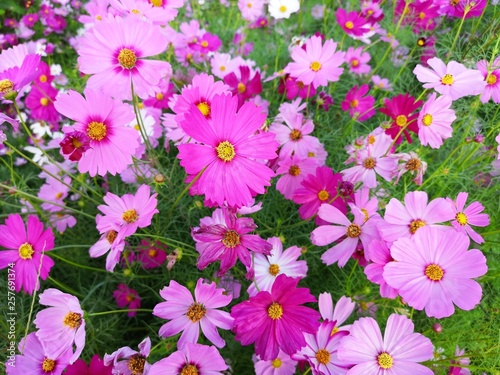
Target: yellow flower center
323,356
159,96
413,165
136,364
415,224
354,103
130,216
401,120
204,108
421,15
111,236
222,68
371,139
282,9
334,331
241,88
277,363
365,212
369,163
323,195
421,42
492,79
447,79
231,239
156,3
44,101
434,272
204,44
130,298
274,269
315,66
127,58
275,311
76,143
461,218
26,251
135,11
427,120
349,25
48,365
385,360
96,130
353,230
72,320
225,151
6,85
294,170
354,62
189,370
295,135
195,312
249,5
152,253
59,195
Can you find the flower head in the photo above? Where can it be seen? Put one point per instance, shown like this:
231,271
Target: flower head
126,361
359,106
125,296
401,111
491,75
95,367
464,216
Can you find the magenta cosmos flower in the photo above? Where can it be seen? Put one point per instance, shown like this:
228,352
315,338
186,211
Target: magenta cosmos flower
35,360
401,111
193,359
434,270
317,64
281,365
360,107
293,170
15,79
103,120
464,216
40,101
242,86
126,361
491,75
357,60
95,367
352,23
227,152
405,220
114,52
396,353
25,248
188,315
61,325
127,297
276,320
434,121
225,237
453,79
380,255
152,254
350,233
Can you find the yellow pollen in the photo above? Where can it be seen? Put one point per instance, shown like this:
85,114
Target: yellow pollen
274,269
73,320
127,58
295,135
26,251
294,170
369,163
349,25
334,331
222,68
415,224
413,165
434,272
98,17
204,44
96,130
43,78
323,195
385,361
152,252
353,230
315,66
241,88
6,85
130,216
275,311
130,298
354,62
195,312
492,79
159,96
461,218
277,363
282,9
354,103
427,120
323,356
225,151
111,236
136,364
76,143
204,108
137,127
59,195
189,370
421,42
156,3
311,154
447,79
365,212
421,15
371,139
249,5
44,101
231,239
401,120
48,365
135,11
369,12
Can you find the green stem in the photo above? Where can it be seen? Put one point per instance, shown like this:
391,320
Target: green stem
65,287
118,311
78,265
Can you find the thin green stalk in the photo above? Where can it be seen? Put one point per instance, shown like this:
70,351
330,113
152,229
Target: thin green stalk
118,311
65,287
76,264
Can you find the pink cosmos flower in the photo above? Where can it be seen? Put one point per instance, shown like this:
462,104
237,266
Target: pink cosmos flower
401,109
357,60
167,9
109,241
53,193
206,44
95,367
469,215
405,220
492,77
160,100
126,361
228,146
61,325
321,350
40,101
26,247
350,233
276,320
381,83
359,107
453,79
61,221
294,87
35,359
267,268
152,254
75,144
396,353
251,9
192,359
338,314
281,365
352,23
434,121
15,79
293,170
380,255
433,270
222,64
128,212
242,86
127,297
114,52
103,120
462,361
188,315
225,237
411,163
317,64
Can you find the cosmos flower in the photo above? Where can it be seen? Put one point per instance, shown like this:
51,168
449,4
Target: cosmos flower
464,216
352,23
283,8
127,297
360,107
338,314
434,120
492,78
401,109
281,365
95,367
126,361
293,170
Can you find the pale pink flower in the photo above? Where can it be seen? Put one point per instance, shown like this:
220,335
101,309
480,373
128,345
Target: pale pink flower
434,121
